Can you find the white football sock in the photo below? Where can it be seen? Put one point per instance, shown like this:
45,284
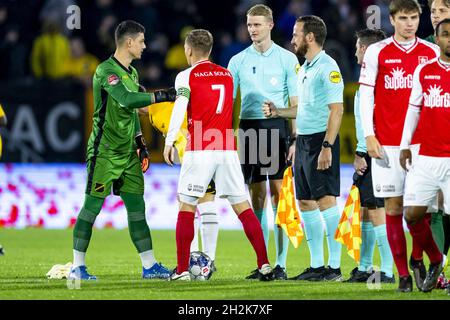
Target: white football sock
79,258
147,258
210,228
194,243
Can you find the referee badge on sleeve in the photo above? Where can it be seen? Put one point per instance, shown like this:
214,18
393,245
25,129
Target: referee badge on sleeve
335,77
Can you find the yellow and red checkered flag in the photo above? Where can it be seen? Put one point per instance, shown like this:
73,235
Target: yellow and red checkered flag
349,228
287,214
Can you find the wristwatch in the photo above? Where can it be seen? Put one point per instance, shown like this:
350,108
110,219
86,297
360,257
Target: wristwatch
361,154
292,140
326,144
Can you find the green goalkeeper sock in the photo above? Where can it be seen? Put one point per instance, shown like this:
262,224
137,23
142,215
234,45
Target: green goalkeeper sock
437,229
137,225
86,218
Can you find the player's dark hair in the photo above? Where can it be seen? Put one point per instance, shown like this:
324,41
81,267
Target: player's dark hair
408,6
200,40
445,21
446,3
368,36
128,28
316,26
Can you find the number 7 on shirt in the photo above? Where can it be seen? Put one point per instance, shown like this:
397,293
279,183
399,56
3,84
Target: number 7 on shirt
221,89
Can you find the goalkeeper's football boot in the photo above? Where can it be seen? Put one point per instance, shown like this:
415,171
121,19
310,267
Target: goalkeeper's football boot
279,273
253,275
2,253
332,274
265,273
184,276
419,271
80,273
405,284
311,274
434,271
157,271
358,276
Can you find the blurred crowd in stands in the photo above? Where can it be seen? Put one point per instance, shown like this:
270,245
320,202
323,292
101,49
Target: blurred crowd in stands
36,42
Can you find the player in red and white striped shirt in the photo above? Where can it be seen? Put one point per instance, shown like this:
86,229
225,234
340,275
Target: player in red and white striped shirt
430,104
205,90
386,82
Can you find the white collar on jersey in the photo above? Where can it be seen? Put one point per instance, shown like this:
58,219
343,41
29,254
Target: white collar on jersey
406,46
444,64
199,62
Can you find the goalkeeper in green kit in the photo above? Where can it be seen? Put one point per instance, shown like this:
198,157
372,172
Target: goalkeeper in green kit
116,153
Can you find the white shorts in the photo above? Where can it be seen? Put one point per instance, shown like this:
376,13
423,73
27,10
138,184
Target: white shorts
424,180
388,176
199,167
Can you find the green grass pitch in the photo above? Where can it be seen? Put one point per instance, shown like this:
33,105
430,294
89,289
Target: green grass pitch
30,253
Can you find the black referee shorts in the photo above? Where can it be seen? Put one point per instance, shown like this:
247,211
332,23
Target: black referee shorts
310,183
364,184
211,188
261,156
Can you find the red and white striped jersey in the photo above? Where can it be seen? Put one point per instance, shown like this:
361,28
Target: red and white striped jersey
389,68
206,91
431,93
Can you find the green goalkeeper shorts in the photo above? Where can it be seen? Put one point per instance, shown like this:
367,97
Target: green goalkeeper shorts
121,173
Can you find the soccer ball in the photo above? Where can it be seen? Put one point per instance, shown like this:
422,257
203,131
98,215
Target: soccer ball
199,266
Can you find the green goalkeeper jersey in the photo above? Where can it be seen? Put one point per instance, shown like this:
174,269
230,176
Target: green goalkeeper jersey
116,122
